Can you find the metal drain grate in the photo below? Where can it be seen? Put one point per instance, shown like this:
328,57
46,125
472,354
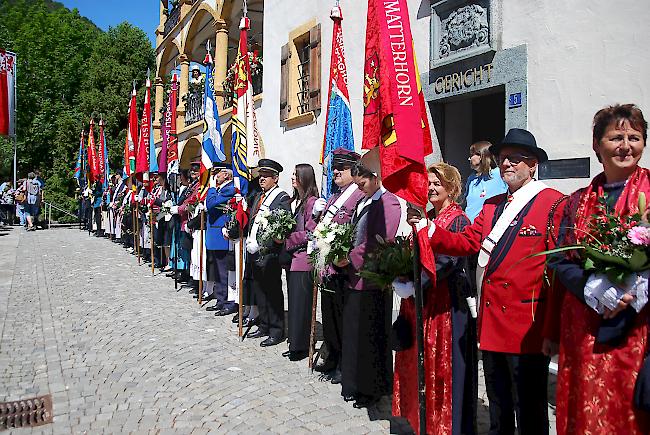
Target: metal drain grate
26,413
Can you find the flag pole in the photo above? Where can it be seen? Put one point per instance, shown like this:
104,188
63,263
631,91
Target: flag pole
312,333
137,228
133,226
241,286
175,235
419,332
201,260
151,239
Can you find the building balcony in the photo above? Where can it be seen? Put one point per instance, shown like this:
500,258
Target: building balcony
173,18
193,107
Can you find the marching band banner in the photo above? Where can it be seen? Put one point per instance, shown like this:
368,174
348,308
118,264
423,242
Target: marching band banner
7,93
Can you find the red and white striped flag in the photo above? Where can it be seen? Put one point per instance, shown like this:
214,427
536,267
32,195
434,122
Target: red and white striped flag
7,93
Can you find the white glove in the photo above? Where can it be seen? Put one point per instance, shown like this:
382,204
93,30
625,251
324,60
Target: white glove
224,233
173,209
403,289
200,207
251,246
319,206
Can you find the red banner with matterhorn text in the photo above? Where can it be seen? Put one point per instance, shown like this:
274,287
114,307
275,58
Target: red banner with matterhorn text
394,112
7,93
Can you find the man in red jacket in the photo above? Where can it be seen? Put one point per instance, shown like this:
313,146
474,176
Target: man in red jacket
512,286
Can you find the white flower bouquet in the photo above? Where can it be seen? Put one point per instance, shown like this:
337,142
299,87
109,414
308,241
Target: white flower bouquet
275,225
332,243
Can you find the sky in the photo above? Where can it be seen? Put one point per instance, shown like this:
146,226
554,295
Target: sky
109,13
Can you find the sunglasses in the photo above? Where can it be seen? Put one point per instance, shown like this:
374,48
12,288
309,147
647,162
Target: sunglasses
340,167
514,159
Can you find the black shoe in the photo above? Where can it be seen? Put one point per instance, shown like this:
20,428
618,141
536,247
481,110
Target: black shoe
298,355
335,377
249,322
258,334
215,307
350,398
271,341
326,366
225,311
235,318
365,401
286,353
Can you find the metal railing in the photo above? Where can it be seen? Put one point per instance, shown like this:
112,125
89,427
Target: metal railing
48,212
172,19
193,107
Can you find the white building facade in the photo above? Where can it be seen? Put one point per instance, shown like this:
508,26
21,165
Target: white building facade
486,66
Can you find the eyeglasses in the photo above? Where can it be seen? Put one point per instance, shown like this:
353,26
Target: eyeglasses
514,159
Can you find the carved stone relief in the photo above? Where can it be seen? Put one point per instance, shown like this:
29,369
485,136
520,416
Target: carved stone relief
465,28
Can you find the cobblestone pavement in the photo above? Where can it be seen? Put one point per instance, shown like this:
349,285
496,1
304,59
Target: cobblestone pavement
121,351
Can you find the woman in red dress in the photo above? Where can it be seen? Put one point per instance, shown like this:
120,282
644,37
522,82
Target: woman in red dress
450,355
601,354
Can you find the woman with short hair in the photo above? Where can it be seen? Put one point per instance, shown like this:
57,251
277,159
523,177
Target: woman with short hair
602,349
450,351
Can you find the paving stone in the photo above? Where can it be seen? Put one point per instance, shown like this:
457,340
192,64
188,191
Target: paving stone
122,352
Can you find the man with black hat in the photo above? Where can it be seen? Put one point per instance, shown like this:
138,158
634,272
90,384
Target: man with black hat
338,209
512,319
264,267
219,249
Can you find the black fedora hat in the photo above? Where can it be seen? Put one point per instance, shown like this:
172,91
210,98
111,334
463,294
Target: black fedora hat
520,138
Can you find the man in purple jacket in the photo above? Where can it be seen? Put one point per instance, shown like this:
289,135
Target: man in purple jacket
339,209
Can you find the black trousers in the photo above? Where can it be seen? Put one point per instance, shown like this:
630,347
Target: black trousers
517,386
267,290
301,293
332,318
97,212
367,360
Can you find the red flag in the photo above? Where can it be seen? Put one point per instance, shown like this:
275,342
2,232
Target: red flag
101,160
142,161
7,93
170,121
93,164
394,112
131,136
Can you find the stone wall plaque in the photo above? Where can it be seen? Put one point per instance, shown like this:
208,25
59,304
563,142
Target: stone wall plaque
565,168
460,29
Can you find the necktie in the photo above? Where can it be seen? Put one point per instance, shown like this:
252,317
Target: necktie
259,204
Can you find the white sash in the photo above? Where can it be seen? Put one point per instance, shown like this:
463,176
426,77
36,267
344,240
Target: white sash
520,199
268,200
334,208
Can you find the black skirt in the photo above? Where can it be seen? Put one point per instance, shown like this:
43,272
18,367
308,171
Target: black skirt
301,293
367,359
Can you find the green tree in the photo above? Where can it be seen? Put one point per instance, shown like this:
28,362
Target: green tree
68,71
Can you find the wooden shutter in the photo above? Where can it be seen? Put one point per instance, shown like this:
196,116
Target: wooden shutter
284,83
314,68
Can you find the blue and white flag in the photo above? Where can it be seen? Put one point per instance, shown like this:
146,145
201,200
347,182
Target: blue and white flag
212,149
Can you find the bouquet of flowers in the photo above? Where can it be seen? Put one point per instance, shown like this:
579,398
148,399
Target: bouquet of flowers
165,211
332,242
388,261
616,251
275,225
617,246
191,207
